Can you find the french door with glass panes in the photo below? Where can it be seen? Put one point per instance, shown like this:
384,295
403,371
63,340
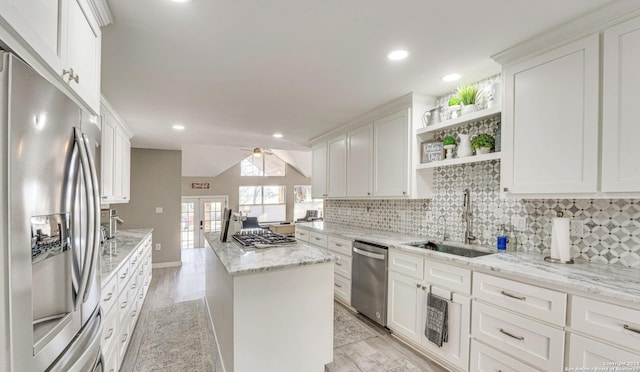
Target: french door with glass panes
200,215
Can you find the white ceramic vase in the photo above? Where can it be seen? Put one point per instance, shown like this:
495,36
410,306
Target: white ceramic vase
464,149
467,109
454,111
483,150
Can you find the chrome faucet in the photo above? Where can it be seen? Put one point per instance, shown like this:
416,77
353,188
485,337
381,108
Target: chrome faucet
466,217
444,232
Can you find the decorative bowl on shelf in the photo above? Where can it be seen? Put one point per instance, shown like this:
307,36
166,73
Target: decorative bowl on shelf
483,150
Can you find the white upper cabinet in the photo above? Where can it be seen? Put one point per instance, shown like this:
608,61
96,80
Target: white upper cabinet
550,121
391,155
360,161
116,157
620,108
65,35
82,70
38,23
319,170
337,167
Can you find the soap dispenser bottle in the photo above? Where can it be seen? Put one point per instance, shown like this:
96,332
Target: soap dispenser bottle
501,241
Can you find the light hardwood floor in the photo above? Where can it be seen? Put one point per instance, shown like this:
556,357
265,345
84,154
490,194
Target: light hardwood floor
179,284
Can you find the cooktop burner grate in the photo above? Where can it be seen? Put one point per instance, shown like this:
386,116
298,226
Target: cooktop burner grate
251,238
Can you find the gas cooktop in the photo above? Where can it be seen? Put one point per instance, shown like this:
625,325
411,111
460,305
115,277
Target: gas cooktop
262,237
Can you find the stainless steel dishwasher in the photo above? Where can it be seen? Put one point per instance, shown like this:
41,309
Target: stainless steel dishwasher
369,280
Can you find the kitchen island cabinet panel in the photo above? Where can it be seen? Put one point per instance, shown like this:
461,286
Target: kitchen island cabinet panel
256,297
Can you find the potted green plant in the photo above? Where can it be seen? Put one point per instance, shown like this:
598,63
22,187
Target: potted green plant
454,107
449,143
468,95
483,143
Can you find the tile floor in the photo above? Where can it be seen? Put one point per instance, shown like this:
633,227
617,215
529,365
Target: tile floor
378,351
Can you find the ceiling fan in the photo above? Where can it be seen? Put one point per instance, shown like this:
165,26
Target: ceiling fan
258,151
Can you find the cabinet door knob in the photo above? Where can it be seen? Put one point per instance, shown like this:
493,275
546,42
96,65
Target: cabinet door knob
404,193
418,285
368,193
506,189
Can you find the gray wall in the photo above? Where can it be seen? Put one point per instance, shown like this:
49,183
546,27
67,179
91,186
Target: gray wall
227,183
155,182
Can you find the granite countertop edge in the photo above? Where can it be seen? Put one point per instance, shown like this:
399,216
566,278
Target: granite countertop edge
238,260
613,282
115,251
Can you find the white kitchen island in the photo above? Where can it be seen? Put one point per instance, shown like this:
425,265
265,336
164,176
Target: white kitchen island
272,308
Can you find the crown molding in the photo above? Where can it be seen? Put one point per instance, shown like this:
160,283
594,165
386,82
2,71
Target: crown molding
123,124
101,11
595,22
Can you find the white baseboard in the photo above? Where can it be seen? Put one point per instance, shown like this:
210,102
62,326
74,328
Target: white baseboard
162,265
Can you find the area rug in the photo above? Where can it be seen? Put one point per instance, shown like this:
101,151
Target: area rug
347,328
175,339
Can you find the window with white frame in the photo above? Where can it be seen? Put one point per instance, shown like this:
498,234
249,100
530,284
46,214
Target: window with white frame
302,202
267,165
268,203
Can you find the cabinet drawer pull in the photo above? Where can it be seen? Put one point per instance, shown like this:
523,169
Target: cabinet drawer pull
337,285
338,245
110,334
124,275
338,263
124,304
316,238
513,296
511,335
125,338
109,297
628,328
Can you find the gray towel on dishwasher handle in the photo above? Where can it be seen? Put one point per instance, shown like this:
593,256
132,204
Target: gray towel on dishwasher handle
436,329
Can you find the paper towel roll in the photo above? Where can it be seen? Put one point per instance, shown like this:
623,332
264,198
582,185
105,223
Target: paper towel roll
560,241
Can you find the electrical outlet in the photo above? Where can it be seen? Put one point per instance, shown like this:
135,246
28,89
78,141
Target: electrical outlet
159,210
577,228
158,247
519,223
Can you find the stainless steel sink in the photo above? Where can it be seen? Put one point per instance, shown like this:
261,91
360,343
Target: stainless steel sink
449,249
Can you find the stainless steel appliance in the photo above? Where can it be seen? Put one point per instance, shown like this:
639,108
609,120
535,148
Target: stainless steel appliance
50,311
369,280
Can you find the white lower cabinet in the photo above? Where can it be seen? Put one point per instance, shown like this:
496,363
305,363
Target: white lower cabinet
122,298
342,270
483,359
410,281
588,353
528,340
456,350
611,335
404,306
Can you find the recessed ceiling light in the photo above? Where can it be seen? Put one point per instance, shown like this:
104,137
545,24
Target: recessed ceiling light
178,127
277,135
398,55
181,1
451,77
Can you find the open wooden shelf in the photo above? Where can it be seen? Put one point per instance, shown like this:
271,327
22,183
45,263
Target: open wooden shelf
448,124
465,160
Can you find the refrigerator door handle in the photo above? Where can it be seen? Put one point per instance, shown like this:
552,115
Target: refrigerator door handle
95,192
71,191
86,171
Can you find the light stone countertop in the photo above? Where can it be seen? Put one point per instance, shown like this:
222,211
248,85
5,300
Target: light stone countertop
239,260
612,282
116,250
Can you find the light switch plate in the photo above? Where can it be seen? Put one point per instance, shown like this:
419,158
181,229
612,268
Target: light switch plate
158,247
159,210
577,228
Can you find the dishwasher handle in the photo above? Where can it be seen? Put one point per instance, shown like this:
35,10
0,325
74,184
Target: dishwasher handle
369,254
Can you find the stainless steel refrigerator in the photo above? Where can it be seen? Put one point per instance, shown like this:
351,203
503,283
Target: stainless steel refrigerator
50,310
